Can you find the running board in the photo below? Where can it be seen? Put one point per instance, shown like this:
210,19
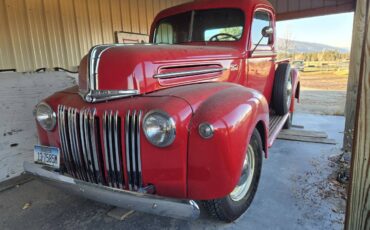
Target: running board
276,124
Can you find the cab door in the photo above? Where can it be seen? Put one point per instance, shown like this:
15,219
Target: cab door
261,61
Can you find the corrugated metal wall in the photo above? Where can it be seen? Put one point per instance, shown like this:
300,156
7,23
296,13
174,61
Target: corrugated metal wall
57,33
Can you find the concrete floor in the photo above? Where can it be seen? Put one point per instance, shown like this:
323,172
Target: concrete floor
290,195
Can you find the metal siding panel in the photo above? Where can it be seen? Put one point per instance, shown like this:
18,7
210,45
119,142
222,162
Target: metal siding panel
19,34
54,33
143,17
317,3
95,22
304,4
135,24
156,7
149,13
83,26
51,33
163,4
126,15
116,15
106,22
6,53
69,24
332,2
293,5
38,39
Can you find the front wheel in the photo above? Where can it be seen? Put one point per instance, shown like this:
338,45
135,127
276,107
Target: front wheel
238,201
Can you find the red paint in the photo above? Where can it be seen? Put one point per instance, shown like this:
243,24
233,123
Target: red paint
234,101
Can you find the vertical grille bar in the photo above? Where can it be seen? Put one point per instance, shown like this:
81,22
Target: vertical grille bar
128,148
94,134
118,149
133,158
106,149
61,127
133,152
87,135
111,153
138,148
83,147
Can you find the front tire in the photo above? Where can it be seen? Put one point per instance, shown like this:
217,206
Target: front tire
238,201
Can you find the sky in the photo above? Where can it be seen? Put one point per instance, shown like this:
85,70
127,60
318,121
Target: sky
334,30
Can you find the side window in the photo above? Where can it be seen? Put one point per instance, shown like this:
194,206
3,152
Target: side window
261,19
164,34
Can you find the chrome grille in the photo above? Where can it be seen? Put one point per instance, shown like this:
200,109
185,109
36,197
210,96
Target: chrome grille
132,138
88,158
113,149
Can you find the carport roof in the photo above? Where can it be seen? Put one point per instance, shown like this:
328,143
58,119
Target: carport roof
294,9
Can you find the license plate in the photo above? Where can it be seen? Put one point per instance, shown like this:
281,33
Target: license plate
47,155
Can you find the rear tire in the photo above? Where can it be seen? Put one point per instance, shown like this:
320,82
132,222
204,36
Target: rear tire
282,91
238,201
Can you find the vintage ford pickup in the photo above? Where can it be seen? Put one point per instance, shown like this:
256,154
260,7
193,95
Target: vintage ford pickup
182,121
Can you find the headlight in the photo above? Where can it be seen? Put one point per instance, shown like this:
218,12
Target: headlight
159,128
45,116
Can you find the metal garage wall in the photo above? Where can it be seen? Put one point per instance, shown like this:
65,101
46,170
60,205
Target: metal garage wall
57,33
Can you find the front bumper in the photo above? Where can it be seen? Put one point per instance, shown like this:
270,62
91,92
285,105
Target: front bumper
180,209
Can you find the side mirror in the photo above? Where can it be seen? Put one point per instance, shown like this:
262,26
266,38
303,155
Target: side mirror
267,31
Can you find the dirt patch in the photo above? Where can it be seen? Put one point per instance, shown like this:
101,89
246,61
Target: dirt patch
322,93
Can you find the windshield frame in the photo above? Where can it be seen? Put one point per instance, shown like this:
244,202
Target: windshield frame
191,27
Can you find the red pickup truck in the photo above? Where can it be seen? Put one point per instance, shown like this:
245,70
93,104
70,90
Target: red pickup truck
182,121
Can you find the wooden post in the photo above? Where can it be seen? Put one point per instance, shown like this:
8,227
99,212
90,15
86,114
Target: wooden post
353,77
358,206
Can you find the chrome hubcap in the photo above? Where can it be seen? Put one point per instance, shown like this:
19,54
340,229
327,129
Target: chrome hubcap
246,177
289,89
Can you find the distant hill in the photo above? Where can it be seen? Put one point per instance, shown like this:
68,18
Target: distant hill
306,47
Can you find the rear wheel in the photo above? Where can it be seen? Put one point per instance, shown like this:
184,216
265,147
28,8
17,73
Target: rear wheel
282,91
237,202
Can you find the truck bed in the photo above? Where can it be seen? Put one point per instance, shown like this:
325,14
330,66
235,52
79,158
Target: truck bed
276,124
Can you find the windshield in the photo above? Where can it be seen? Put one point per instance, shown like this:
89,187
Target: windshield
206,26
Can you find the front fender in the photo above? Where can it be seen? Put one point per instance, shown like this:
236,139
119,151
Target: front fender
214,165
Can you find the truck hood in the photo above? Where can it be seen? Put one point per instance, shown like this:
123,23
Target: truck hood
113,71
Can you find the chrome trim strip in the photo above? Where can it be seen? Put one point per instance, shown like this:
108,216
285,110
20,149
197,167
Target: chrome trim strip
128,149
182,209
188,73
263,54
117,142
93,94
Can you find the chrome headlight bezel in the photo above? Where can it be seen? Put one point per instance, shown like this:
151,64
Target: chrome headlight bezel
171,128
51,116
